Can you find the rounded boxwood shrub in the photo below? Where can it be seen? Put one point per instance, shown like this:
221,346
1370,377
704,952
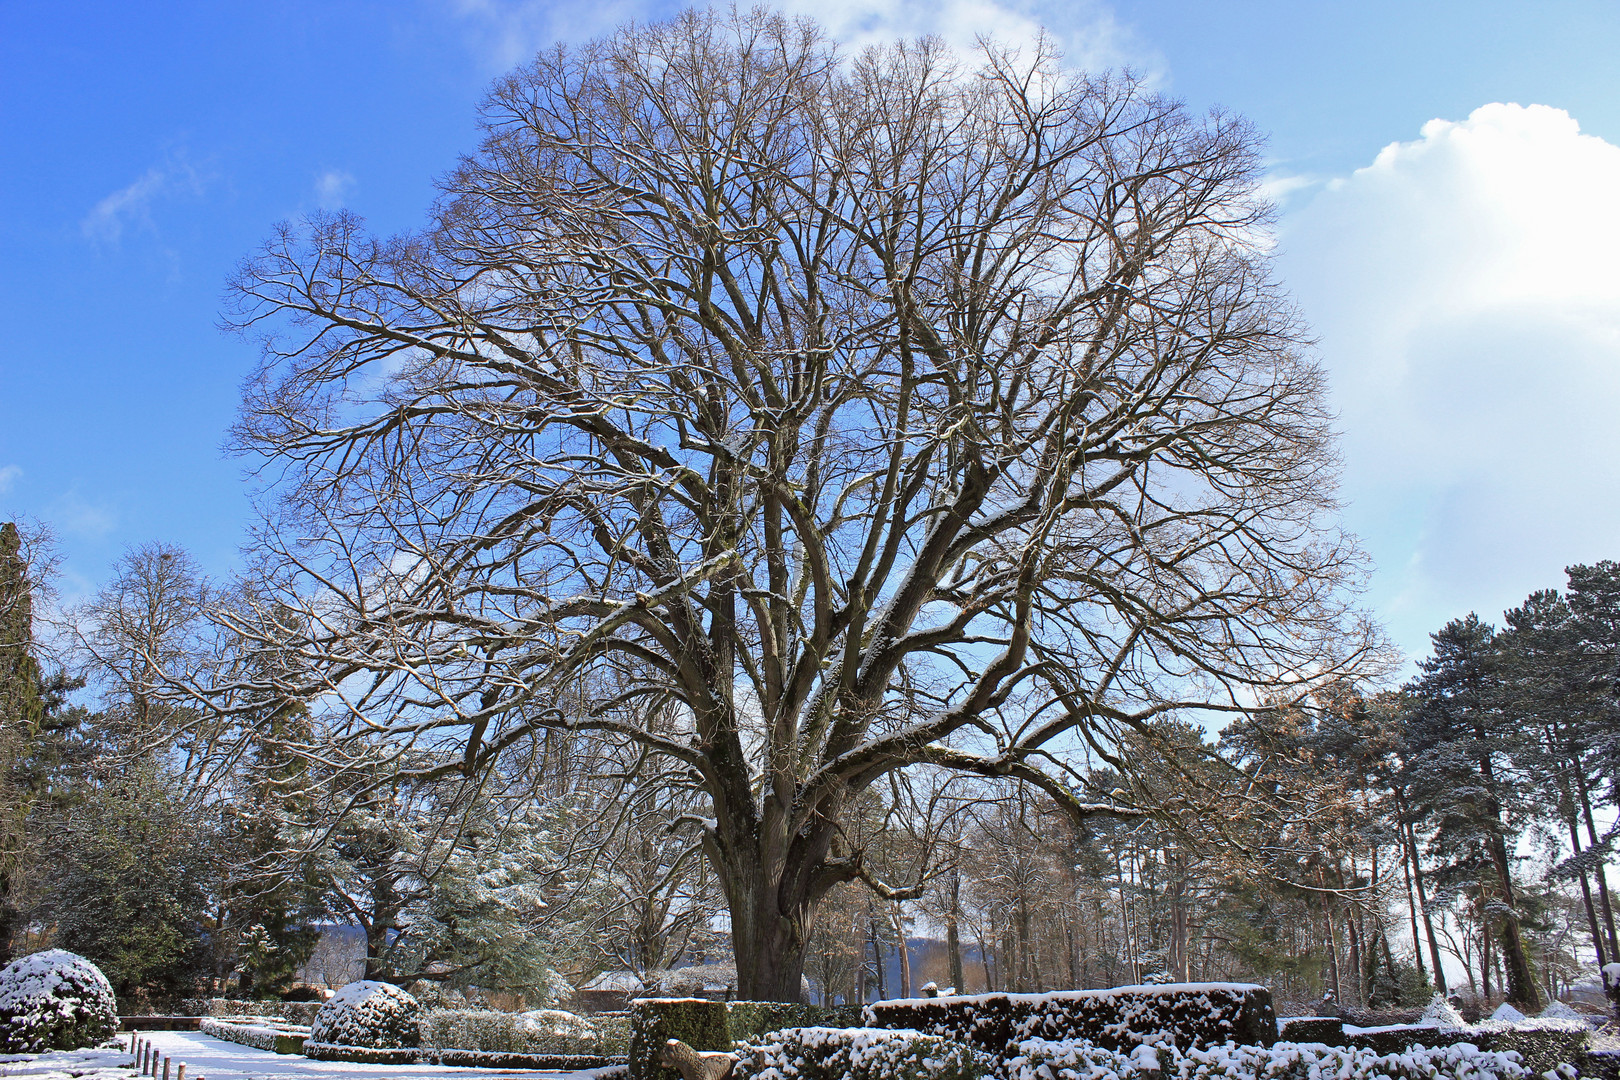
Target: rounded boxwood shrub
372,1014
54,1000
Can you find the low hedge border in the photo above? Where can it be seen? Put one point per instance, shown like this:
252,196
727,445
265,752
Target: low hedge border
260,1036
472,1059
488,1059
365,1055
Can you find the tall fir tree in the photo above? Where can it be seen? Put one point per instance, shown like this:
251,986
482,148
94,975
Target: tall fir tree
1462,744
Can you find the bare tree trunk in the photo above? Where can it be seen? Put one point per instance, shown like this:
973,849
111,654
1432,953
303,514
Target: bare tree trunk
1411,907
953,937
1423,902
905,951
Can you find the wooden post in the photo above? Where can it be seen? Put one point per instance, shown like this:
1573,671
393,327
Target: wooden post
180,1073
165,1067
146,1048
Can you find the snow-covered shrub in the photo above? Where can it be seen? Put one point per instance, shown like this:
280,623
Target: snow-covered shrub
1507,1014
819,1053
1442,1013
543,1031
261,1033
1559,1011
54,1000
1040,1059
1311,1029
1188,1014
698,1022
370,1014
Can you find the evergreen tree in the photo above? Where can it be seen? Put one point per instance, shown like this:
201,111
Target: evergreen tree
1462,747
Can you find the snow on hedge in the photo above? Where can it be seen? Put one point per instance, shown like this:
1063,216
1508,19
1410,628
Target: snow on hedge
371,1014
54,1000
819,1053
542,1031
1040,1059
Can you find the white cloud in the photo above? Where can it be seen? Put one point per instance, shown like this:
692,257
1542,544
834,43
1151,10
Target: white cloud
508,32
332,188
1466,292
505,33
1086,31
131,206
8,477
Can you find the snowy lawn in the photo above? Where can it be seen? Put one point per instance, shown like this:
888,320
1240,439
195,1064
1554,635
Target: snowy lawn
215,1059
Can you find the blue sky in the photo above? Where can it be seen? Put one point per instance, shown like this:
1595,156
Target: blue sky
1456,255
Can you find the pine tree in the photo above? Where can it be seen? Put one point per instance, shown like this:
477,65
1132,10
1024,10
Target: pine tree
1460,774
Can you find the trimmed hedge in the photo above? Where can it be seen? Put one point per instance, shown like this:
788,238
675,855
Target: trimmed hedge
54,1000
1186,1014
1040,1059
1541,1044
717,1025
276,1038
545,1032
822,1053
697,1022
1311,1029
293,1012
748,1020
371,1014
366,1055
483,1059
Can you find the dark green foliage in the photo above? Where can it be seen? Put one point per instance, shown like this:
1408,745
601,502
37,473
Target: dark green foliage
747,1020
367,1055
699,1023
820,1053
1311,1029
1405,985
1121,1018
494,1059
132,870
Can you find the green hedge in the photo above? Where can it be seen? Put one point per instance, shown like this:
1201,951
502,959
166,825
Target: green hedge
822,1053
1186,1014
1541,1044
366,1055
717,1025
697,1022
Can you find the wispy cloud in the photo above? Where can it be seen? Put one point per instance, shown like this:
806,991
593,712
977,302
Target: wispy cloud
75,515
332,188
8,477
130,207
507,32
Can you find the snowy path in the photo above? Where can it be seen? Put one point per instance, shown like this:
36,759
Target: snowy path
215,1059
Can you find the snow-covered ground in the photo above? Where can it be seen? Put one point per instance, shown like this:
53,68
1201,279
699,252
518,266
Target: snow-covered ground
208,1058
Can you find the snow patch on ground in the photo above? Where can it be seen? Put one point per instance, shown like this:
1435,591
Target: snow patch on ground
208,1058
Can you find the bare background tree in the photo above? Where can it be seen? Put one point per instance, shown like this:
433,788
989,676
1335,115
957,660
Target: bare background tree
848,416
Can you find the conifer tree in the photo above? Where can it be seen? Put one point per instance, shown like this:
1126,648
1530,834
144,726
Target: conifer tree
22,713
1460,772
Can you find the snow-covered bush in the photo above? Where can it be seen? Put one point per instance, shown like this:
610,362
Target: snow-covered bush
1442,1013
818,1053
1188,1014
54,1000
544,1031
1040,1059
1559,1011
370,1014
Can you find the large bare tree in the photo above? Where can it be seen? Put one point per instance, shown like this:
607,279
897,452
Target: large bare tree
857,413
